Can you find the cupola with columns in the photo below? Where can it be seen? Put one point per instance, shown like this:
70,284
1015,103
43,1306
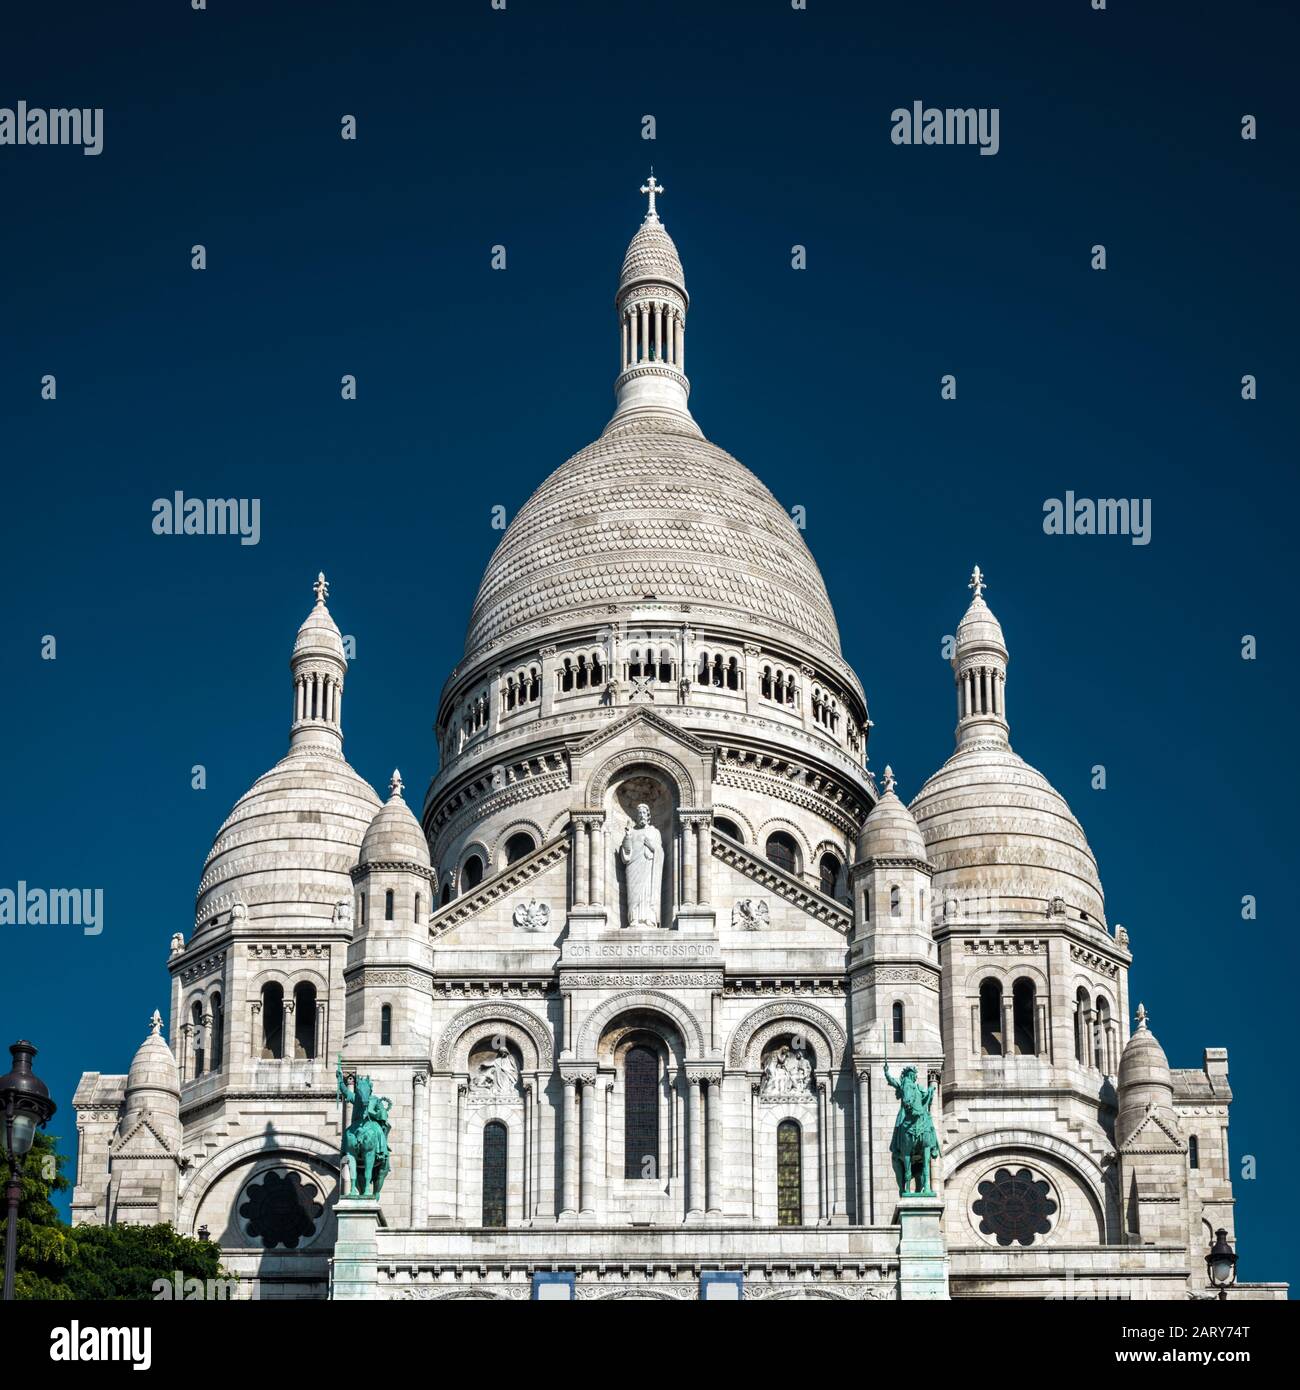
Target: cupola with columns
652,303
979,664
318,664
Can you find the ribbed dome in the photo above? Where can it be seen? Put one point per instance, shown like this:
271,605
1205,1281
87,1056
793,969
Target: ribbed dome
652,513
890,831
651,256
319,635
991,821
979,626
286,848
153,1074
1145,1083
394,836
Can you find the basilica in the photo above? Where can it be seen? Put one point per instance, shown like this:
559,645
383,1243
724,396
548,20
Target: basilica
637,987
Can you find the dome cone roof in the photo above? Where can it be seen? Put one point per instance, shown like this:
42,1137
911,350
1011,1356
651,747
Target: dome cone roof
153,1082
890,832
394,836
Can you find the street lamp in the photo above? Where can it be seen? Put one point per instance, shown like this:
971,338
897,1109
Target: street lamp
1221,1263
27,1107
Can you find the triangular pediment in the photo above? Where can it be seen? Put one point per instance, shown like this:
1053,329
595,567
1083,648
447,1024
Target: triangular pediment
642,714
142,1140
1154,1134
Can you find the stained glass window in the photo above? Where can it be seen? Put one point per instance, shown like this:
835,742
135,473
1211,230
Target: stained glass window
281,1209
783,852
494,1173
789,1175
1014,1207
641,1113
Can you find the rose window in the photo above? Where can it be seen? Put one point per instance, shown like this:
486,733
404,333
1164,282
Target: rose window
281,1209
1014,1206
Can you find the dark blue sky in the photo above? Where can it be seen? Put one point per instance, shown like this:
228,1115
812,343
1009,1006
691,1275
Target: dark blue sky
524,128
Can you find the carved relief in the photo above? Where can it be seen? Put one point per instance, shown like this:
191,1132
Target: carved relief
751,914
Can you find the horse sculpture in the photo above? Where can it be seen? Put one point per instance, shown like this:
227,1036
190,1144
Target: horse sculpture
367,1136
914,1143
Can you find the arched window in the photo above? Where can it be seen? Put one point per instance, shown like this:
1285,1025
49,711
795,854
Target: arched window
895,901
641,1113
218,1032
830,874
789,1174
494,1173
272,1020
727,827
196,1032
1193,1151
991,1018
765,683
1101,1020
304,1020
386,1026
1024,1024
445,896
783,852
1081,1006
388,905
472,874
518,845
898,1021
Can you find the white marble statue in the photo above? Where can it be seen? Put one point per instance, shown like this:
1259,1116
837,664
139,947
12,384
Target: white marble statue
642,856
499,1073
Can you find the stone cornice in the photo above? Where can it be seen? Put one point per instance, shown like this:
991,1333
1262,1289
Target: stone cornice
783,885
500,885
393,866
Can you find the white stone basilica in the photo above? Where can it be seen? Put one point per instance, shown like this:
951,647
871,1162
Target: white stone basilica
632,980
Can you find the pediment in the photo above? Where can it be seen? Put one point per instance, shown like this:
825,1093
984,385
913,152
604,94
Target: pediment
142,1140
1154,1134
754,875
641,714
546,867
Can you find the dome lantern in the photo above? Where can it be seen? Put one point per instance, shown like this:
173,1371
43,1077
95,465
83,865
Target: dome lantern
979,666
319,664
652,303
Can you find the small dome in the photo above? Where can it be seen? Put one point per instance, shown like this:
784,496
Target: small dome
153,1076
980,628
394,836
652,258
1145,1083
319,635
890,832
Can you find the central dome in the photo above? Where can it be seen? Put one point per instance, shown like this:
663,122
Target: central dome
652,512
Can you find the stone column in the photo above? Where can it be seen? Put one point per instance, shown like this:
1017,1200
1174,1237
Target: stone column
580,870
695,1142
322,1029
823,1156
588,1196
287,1039
714,1165
703,860
569,1147
642,330
687,894
681,347
624,336
1008,1025
1041,1041
419,1139
596,896
866,1216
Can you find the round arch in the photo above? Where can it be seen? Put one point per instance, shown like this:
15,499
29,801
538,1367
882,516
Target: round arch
758,1026
531,1030
223,1161
673,768
653,1000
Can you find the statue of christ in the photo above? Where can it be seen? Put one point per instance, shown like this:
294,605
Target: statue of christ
642,856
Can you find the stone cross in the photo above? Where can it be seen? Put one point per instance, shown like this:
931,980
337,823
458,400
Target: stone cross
652,188
977,582
155,1024
321,587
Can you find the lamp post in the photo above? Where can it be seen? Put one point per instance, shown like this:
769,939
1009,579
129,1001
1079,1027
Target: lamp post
1221,1263
27,1106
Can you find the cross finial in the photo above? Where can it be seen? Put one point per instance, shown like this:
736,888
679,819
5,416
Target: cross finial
155,1024
652,188
889,779
321,588
1142,1017
395,783
977,582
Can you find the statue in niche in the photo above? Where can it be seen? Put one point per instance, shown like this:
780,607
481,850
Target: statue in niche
642,857
786,1072
499,1073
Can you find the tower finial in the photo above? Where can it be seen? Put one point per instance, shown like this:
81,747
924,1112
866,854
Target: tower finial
1142,1018
395,784
321,588
155,1024
977,582
652,188
889,779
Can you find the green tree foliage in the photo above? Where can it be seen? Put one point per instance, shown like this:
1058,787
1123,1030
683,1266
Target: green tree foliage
56,1261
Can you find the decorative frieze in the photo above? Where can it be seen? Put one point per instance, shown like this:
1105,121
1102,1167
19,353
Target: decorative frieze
209,965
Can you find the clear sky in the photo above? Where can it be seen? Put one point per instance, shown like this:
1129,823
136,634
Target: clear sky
524,129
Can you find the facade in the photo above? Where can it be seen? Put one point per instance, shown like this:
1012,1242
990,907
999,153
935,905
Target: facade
632,980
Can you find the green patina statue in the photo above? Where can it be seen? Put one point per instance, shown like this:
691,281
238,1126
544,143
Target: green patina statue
367,1136
914,1143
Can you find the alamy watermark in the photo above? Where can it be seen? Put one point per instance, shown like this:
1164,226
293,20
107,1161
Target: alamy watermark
1101,516
179,515
39,125
919,124
53,907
